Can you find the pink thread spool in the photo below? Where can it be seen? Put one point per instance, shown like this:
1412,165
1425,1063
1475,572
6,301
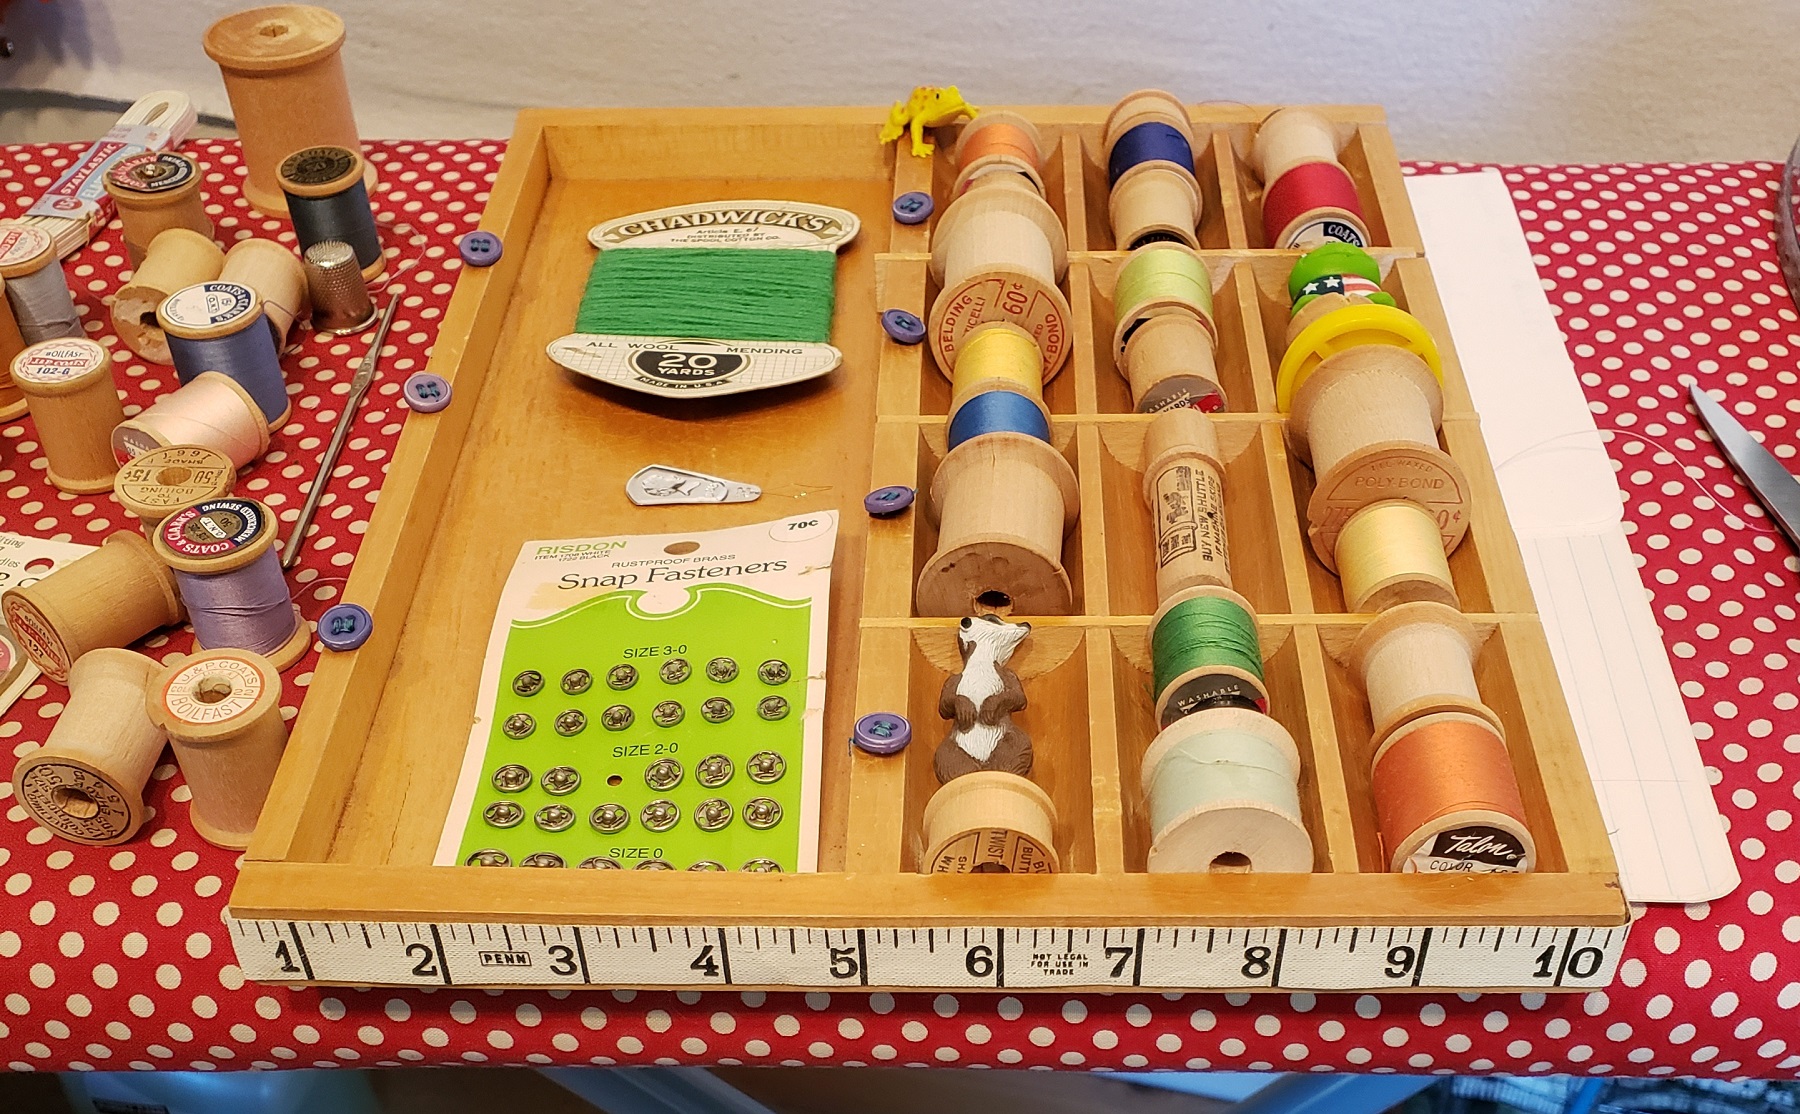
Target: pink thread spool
212,412
223,554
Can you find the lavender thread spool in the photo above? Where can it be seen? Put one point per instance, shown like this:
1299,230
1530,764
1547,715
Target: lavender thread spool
35,284
328,200
219,326
222,552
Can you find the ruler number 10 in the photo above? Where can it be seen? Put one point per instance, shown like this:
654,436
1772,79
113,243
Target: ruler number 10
1583,963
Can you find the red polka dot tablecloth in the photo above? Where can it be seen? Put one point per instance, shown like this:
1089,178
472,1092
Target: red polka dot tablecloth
117,958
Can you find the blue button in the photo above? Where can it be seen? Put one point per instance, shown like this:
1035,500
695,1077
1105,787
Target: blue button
886,502
882,733
913,208
425,392
902,326
481,249
345,626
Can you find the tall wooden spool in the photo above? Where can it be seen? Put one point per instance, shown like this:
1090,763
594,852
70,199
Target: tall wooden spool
1185,491
222,713
111,597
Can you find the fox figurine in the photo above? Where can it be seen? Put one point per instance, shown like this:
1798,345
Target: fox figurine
980,701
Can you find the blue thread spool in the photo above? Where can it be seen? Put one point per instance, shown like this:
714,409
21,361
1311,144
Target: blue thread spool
327,200
220,326
997,411
222,552
1151,141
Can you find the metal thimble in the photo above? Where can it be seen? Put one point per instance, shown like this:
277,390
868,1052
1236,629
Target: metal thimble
340,297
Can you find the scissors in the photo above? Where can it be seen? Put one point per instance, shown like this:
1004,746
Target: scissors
1772,484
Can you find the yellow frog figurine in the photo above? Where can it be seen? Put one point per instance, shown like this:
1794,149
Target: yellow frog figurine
930,106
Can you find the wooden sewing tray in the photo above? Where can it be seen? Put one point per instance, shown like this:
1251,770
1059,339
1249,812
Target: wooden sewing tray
527,450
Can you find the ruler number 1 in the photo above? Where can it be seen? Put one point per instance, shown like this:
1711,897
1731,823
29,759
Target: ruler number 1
288,966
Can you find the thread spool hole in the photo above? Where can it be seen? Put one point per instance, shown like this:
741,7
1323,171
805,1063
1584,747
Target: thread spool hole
1230,862
274,29
211,690
147,319
995,601
73,802
989,868
174,475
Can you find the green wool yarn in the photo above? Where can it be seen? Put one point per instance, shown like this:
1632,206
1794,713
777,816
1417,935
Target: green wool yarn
712,293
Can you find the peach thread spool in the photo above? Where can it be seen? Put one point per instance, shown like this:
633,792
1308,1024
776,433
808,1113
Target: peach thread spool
213,411
156,191
278,278
109,598
69,387
285,79
1147,146
160,482
1222,788
86,783
998,254
1447,799
999,142
1185,492
1163,330
1390,553
1414,660
177,258
36,287
1308,196
222,551
990,822
222,713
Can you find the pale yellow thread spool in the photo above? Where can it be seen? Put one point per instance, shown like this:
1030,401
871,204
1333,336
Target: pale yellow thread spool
109,598
157,484
68,384
1186,495
177,258
278,278
222,712
1391,553
998,356
990,822
1414,660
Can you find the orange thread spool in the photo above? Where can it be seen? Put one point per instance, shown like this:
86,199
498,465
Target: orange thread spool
1446,800
999,138
999,142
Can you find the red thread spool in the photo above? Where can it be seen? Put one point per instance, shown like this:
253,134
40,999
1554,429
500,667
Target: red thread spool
1312,203
1446,800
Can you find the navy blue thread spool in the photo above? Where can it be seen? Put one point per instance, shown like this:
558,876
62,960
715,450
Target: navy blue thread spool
327,200
997,411
219,326
222,552
1151,141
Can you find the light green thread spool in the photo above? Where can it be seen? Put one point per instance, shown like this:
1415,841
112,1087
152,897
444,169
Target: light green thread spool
1160,278
711,293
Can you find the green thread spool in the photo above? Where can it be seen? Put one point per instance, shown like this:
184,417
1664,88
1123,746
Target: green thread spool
711,293
1205,652
1160,278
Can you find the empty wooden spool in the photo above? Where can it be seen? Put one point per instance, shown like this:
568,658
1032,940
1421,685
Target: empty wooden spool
1417,659
68,384
177,258
1154,202
1169,364
1003,504
990,822
155,485
111,597
1186,496
998,253
156,191
1247,819
278,278
86,783
222,713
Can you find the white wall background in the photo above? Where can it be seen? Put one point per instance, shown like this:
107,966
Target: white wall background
1509,80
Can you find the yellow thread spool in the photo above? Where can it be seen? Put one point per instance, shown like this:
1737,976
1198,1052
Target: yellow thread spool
1391,553
1158,279
998,356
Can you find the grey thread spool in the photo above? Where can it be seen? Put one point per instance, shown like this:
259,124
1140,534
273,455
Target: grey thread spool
36,285
340,297
327,200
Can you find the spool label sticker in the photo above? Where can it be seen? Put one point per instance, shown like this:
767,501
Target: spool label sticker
1476,849
174,476
207,304
989,848
21,243
1020,299
58,361
1423,475
318,166
214,527
675,368
213,690
24,562
731,224
1315,232
48,786
153,172
1190,516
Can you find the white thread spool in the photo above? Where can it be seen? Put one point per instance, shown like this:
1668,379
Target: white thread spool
1222,787
998,254
68,384
177,258
1291,137
157,484
86,783
990,822
212,411
1185,493
222,713
1414,660
36,287
278,278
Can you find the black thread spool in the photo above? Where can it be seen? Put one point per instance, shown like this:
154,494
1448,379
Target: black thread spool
327,200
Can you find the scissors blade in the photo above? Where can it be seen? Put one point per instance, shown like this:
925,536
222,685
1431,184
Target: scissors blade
1774,486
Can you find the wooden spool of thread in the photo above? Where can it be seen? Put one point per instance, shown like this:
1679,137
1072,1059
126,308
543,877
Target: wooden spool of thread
1366,417
998,254
1308,196
68,384
1169,365
999,142
177,258
1003,502
1156,280
162,481
36,288
218,326
1205,652
1147,145
1186,496
1414,660
278,278
1390,553
12,342
223,554
222,713
1447,800
86,783
1142,107
156,191
998,356
110,597
286,83
990,822
328,202
1222,787
212,412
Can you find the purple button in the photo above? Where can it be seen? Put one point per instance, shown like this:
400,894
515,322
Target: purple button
913,208
882,733
902,326
481,249
425,392
345,626
886,502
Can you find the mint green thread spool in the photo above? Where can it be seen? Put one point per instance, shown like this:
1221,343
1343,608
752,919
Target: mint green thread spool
1205,652
1156,279
1222,790
711,293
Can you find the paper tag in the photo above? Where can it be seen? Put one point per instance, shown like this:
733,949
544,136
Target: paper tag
676,368
82,190
731,224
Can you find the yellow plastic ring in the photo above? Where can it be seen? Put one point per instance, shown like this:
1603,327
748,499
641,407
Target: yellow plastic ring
1346,328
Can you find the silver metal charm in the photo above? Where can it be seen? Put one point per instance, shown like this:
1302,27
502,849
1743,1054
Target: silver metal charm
659,485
